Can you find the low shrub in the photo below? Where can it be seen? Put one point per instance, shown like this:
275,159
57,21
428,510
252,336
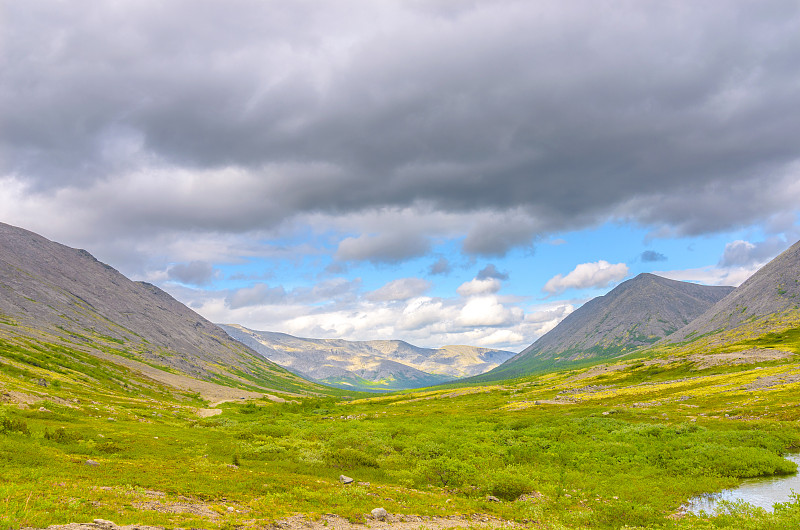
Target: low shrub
8,426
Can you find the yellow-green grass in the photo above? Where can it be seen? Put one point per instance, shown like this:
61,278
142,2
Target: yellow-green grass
599,447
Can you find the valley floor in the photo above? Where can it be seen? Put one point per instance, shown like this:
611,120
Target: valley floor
603,447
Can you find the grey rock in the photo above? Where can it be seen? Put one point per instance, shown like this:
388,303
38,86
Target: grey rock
91,463
345,480
379,514
102,523
492,498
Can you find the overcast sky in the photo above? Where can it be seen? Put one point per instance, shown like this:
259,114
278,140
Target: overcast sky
438,171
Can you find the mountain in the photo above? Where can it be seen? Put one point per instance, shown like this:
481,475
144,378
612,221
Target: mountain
368,365
635,314
63,299
768,302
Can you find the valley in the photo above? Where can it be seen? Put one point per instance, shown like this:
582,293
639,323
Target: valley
131,425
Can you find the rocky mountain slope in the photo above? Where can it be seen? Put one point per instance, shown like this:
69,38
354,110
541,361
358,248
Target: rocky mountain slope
635,314
61,297
387,364
769,301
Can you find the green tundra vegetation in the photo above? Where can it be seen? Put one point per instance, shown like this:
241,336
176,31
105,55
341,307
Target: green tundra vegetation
621,444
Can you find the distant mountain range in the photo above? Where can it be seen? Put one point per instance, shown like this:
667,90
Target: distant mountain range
61,298
369,365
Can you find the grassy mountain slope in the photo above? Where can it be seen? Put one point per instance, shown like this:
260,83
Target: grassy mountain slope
368,365
633,315
56,298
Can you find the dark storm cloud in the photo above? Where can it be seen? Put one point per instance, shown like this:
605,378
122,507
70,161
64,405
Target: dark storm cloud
568,112
649,256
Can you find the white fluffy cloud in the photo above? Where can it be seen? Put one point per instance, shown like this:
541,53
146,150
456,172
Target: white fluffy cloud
596,274
488,311
477,287
400,289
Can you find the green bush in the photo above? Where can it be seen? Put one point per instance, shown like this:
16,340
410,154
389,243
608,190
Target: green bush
14,425
348,458
509,485
62,436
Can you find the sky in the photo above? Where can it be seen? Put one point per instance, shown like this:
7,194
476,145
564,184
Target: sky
436,171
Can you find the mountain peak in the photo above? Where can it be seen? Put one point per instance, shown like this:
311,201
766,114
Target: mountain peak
635,314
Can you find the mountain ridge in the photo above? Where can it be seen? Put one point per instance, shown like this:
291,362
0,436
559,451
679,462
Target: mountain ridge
635,314
768,301
54,294
378,364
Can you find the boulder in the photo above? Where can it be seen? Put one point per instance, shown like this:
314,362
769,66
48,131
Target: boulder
379,514
345,480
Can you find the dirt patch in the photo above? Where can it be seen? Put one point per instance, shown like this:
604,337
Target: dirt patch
597,370
773,381
209,391
326,522
751,356
177,507
207,413
20,398
401,522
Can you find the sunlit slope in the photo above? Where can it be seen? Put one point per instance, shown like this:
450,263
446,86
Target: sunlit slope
764,309
56,297
632,316
368,365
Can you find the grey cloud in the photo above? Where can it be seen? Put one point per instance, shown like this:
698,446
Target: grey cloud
490,271
258,294
565,111
649,256
742,253
383,248
193,273
441,266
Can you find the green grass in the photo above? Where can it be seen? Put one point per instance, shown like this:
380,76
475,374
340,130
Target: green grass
616,448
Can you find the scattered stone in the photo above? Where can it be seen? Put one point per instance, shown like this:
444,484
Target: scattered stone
363,484
492,498
42,409
43,382
102,523
345,480
379,514
91,463
233,466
